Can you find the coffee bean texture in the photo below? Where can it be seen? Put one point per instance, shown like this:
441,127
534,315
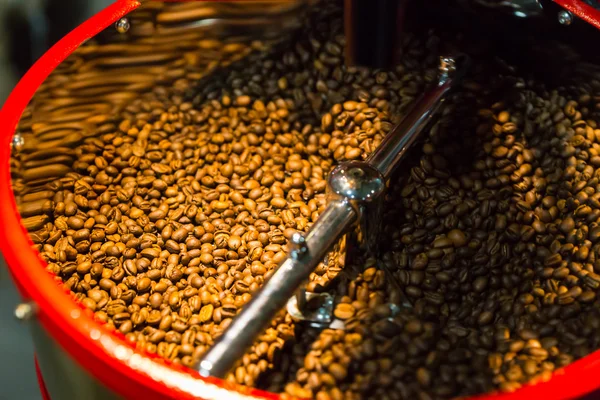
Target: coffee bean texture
161,188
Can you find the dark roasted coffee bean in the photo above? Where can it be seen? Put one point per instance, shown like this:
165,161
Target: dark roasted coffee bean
179,204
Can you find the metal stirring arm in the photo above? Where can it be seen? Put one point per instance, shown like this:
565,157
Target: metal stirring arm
355,185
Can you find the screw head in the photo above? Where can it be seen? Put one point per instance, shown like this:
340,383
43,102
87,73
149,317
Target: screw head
25,311
123,25
17,142
565,18
205,368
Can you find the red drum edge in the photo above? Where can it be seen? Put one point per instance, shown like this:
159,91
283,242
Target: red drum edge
40,378
108,356
105,355
586,12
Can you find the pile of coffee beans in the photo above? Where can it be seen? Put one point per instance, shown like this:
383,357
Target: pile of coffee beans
170,217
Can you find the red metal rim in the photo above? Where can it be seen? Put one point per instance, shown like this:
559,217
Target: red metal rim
41,383
108,356
105,355
582,10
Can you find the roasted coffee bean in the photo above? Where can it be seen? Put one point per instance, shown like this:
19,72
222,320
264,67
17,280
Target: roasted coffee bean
171,211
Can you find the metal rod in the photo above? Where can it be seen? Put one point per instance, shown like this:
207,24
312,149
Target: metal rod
396,143
364,187
308,252
273,296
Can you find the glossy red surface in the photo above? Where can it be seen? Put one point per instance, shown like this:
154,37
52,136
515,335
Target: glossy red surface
40,378
582,10
107,356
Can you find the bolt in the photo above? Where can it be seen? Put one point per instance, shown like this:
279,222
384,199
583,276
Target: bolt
205,368
25,311
123,25
17,143
565,18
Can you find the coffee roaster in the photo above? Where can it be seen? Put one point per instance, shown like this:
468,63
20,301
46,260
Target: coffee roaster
106,66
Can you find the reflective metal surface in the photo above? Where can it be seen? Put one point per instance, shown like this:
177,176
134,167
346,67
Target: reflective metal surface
357,182
317,309
402,137
159,45
274,294
64,378
538,46
363,186
518,8
338,217
166,45
25,311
